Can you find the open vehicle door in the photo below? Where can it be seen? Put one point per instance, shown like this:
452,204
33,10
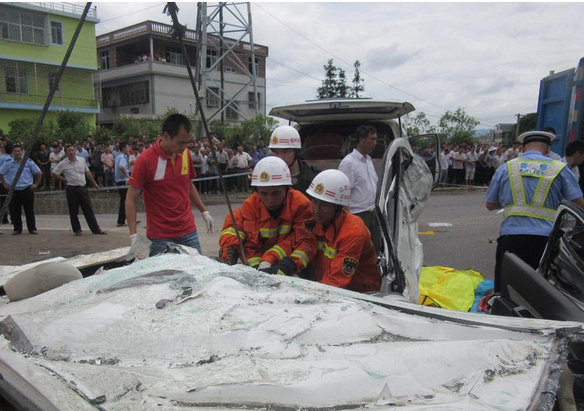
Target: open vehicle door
556,290
427,146
404,187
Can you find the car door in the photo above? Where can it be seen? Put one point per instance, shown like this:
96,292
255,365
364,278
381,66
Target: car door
404,186
556,290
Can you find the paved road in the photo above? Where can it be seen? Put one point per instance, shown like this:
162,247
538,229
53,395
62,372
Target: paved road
464,245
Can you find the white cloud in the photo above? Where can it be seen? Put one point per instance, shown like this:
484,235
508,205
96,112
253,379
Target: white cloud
485,57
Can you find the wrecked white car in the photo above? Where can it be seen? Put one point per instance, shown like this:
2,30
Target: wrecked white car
183,331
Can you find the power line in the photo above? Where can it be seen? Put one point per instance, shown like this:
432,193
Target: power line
350,65
293,69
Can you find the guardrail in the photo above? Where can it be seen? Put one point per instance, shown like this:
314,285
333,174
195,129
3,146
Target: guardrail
70,8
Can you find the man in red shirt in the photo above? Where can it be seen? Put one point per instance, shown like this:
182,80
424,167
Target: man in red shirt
163,174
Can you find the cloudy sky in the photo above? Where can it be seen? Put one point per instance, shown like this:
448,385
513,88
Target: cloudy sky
485,57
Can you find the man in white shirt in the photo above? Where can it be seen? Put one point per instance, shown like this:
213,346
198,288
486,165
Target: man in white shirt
574,157
444,156
470,161
73,171
242,164
358,166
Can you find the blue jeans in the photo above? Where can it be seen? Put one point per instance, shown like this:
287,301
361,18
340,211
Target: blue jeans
190,240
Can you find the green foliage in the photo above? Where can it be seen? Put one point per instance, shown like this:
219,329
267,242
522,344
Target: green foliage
125,127
72,126
328,88
358,86
416,124
101,135
247,134
527,123
22,127
335,82
458,127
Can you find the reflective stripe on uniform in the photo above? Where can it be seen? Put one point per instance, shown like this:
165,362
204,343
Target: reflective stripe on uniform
278,250
254,261
231,231
273,232
185,163
327,250
268,232
285,229
546,172
301,255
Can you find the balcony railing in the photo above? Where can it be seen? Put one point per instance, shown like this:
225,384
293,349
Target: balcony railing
60,101
70,8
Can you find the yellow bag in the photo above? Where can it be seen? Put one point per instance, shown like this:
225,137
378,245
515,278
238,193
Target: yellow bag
448,288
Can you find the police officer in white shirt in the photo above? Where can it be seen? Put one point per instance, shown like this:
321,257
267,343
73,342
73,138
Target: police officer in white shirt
358,166
75,171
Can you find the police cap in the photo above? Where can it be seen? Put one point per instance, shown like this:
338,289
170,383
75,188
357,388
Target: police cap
533,136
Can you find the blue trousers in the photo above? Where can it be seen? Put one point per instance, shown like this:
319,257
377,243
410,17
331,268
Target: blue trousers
190,240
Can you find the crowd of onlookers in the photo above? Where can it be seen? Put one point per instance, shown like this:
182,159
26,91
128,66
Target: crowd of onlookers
476,164
100,159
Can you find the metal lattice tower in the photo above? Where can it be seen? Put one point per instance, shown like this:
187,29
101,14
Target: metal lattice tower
224,34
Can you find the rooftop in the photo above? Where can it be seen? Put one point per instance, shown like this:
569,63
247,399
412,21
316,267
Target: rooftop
67,9
164,30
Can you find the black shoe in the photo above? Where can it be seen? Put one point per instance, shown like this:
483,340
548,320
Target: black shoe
100,232
78,233
35,232
16,232
121,225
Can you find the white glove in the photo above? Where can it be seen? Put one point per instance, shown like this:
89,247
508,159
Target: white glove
133,238
140,247
264,264
209,220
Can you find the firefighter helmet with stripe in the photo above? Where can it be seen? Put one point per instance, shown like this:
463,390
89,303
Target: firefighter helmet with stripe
285,137
269,172
332,186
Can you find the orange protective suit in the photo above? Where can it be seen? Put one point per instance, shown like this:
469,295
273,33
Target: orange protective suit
346,257
271,239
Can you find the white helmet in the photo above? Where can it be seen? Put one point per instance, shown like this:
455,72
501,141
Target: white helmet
332,186
269,172
285,137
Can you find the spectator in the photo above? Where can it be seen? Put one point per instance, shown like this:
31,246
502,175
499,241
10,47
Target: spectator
470,161
444,156
255,156
23,195
243,163
75,173
82,152
55,158
45,166
574,157
358,167
122,174
6,156
197,159
213,171
230,169
458,158
108,160
96,165
205,170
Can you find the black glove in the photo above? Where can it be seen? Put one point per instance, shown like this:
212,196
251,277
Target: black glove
285,267
229,256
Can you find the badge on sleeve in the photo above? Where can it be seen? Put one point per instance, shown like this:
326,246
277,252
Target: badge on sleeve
350,266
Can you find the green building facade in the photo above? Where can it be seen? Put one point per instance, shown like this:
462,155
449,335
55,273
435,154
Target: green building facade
33,40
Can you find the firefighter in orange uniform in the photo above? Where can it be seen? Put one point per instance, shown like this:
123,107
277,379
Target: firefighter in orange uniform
271,223
346,257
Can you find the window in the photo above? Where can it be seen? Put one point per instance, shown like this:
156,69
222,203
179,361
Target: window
213,99
128,94
230,112
105,64
56,32
251,102
211,58
229,69
16,80
53,79
25,27
257,66
174,56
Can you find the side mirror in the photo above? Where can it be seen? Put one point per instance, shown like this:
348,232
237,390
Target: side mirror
427,146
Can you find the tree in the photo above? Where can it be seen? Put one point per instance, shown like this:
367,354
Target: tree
342,88
72,126
527,123
358,86
415,125
259,127
458,127
328,89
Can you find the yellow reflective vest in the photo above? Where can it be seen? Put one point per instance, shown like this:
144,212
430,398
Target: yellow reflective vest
546,172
